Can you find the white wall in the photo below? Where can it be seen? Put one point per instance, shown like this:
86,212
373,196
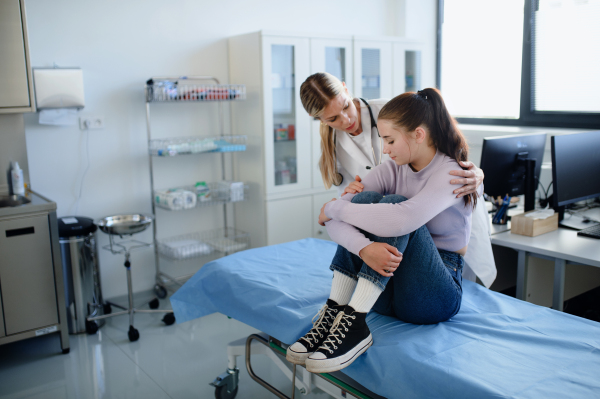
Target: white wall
119,45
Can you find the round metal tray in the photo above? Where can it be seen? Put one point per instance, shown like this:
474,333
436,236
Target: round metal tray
124,224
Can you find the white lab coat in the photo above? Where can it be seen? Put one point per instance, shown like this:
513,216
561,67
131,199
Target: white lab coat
353,157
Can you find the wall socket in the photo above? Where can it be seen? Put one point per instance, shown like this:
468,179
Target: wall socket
91,122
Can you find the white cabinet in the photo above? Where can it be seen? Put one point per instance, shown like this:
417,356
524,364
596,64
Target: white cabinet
281,161
408,67
16,82
373,68
287,219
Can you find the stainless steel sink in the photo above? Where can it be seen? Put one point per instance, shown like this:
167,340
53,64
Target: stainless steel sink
13,200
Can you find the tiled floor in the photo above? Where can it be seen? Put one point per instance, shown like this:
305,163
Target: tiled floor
175,361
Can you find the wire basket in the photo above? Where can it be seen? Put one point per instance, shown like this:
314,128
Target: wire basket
202,194
173,91
225,240
196,145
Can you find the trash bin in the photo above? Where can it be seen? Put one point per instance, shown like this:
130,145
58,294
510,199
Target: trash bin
83,294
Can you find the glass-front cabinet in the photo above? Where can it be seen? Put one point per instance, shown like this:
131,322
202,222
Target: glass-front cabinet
287,140
335,57
373,73
408,67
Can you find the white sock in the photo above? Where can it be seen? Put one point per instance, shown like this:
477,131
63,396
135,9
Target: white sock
365,295
342,288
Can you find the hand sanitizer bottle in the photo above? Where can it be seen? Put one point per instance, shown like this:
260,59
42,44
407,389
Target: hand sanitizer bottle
18,185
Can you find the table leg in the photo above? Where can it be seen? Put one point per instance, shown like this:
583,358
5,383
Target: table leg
558,295
522,275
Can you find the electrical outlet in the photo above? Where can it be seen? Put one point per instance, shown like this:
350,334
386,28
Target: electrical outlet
91,122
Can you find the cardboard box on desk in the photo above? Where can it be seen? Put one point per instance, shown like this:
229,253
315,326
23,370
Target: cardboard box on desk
527,226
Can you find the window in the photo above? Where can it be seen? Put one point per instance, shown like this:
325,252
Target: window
520,62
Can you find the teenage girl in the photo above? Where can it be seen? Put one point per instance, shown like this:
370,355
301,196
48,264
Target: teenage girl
400,255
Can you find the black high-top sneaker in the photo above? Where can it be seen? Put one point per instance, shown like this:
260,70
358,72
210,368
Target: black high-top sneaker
348,338
306,345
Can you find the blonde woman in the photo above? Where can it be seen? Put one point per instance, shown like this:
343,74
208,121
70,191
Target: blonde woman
351,147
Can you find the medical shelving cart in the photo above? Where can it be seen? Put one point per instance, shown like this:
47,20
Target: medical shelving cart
197,246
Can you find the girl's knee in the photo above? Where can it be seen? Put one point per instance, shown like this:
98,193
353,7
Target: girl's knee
393,199
367,197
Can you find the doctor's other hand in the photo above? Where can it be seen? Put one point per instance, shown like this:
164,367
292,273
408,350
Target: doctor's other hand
381,257
322,217
355,187
472,178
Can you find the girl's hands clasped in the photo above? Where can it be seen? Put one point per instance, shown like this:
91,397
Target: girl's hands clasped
322,217
381,257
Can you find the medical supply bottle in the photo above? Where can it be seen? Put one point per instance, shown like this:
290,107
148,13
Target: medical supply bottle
18,185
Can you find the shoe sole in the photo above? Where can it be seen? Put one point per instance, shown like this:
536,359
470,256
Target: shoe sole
297,358
338,363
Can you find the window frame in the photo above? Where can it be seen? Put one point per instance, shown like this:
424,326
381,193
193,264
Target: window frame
528,117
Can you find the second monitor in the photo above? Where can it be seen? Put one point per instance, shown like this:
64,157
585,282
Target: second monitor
512,165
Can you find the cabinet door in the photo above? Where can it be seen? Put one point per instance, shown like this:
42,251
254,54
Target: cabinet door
14,89
372,69
2,332
289,219
27,274
408,69
318,201
335,57
287,127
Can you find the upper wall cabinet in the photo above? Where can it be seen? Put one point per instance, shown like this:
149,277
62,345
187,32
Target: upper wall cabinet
16,82
408,68
373,68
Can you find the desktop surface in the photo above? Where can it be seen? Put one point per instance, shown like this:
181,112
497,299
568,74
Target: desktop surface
561,243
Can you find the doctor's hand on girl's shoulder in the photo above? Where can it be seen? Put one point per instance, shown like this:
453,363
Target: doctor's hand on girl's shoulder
473,177
322,217
355,187
381,257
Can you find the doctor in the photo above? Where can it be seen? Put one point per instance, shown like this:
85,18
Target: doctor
351,147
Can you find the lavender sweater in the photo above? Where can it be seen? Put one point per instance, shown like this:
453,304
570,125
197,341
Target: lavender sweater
430,202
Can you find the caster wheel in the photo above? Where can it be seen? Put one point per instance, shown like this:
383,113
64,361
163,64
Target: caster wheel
160,291
66,351
169,319
91,327
221,393
107,308
133,334
154,303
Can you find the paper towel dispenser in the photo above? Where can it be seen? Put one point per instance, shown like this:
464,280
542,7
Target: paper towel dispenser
58,88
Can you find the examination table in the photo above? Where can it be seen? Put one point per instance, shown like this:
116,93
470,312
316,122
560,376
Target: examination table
496,346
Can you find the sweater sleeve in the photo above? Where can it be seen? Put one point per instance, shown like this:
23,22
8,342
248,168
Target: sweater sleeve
393,220
381,180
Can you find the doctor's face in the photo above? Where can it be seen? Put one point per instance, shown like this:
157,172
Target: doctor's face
341,114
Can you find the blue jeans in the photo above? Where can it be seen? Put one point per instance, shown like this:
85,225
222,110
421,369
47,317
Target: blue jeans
427,286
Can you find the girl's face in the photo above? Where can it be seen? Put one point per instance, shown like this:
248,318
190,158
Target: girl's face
341,113
400,144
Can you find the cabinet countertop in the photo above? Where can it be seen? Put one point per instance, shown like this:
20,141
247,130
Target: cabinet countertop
38,204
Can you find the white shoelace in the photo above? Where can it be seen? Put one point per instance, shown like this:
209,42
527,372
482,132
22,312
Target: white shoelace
336,331
318,326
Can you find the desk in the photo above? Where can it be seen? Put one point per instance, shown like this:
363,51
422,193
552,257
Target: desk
563,246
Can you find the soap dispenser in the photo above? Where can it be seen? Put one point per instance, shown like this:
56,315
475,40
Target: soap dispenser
18,185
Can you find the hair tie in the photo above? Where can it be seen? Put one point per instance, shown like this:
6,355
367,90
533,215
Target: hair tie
421,94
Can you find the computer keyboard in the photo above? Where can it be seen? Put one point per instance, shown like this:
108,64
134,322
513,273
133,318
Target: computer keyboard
592,231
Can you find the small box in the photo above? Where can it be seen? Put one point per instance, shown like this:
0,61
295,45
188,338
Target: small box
526,226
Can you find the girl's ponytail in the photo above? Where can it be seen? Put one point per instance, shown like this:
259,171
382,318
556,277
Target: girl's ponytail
410,110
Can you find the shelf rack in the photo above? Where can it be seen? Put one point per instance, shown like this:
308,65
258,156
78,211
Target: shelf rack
221,241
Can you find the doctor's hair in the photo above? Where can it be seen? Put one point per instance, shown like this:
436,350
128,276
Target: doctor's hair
426,107
316,93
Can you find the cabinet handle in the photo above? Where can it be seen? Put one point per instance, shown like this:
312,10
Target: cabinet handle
20,232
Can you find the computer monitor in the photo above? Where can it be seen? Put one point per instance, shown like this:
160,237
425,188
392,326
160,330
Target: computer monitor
575,168
512,165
